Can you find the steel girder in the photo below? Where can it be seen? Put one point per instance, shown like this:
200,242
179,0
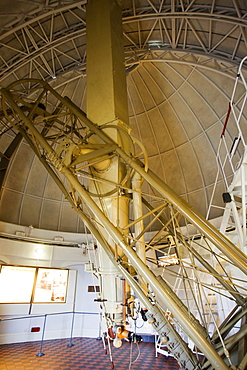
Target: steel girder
50,41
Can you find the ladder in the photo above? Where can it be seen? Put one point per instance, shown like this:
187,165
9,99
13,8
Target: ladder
232,164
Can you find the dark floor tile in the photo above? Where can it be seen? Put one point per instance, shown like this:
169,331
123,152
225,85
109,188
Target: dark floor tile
87,353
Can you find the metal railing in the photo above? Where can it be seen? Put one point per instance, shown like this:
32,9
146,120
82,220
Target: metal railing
73,313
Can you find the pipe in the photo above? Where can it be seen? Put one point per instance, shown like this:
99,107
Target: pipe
138,212
230,343
243,363
230,324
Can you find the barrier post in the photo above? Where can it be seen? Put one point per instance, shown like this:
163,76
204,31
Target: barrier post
42,339
71,332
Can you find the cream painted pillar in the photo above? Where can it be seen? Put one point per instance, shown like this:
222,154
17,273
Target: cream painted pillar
107,104
106,77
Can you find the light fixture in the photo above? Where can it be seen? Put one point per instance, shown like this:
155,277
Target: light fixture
39,251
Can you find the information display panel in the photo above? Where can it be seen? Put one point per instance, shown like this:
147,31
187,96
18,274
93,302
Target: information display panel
51,285
16,284
23,284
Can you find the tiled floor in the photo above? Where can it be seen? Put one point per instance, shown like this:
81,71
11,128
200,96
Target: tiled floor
87,353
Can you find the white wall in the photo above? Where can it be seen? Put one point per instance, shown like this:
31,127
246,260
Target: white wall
86,319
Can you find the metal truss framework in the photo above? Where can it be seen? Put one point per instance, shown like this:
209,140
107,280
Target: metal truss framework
210,273
51,39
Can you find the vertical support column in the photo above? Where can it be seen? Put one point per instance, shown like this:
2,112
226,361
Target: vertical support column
106,76
107,104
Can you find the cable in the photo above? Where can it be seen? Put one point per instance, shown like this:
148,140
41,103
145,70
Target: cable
137,357
139,351
139,327
130,355
110,353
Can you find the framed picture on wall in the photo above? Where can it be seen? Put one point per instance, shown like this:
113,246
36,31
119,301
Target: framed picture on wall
51,286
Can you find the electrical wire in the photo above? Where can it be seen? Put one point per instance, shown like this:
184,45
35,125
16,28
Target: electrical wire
139,351
137,357
139,327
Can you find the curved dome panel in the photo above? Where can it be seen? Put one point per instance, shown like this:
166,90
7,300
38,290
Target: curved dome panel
179,80
176,111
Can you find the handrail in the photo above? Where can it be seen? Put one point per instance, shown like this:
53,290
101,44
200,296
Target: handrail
48,314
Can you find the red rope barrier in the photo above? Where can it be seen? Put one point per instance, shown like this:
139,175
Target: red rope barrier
226,120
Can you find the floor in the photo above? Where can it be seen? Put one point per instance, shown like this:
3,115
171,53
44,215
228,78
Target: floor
86,353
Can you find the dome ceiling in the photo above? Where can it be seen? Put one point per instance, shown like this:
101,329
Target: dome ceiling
181,60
